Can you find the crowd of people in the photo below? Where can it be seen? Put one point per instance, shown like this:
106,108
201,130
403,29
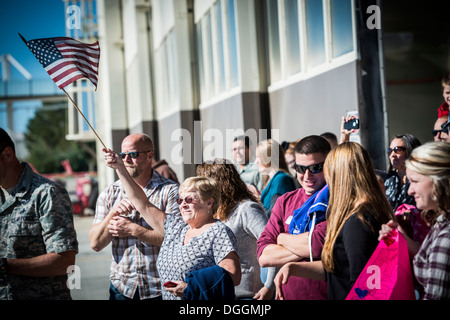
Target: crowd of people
290,221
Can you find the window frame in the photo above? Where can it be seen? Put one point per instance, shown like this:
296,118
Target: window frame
329,63
211,85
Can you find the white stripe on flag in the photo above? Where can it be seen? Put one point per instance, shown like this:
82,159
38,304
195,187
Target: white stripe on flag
71,75
65,68
93,60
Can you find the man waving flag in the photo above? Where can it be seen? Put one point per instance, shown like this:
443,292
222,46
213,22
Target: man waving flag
66,59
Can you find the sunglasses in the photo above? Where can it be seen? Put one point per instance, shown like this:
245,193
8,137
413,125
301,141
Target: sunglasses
132,154
435,132
188,200
396,150
314,168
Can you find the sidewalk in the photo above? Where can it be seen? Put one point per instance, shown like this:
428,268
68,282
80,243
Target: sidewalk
93,266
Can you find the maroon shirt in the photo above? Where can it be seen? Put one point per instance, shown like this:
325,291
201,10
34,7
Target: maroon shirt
296,288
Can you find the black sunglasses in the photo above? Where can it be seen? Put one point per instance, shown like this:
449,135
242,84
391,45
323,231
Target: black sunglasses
132,154
314,168
435,132
188,200
396,150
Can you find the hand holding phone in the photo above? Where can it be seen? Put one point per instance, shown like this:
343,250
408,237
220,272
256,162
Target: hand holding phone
351,124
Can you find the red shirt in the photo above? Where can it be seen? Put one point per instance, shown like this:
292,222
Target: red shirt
443,110
296,288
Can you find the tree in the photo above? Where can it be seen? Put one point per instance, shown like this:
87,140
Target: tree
46,142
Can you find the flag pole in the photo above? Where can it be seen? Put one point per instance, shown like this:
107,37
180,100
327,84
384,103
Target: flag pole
73,102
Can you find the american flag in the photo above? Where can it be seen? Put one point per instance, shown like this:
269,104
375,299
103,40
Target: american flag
66,59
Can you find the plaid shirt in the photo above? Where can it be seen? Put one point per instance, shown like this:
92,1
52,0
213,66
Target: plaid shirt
432,262
133,264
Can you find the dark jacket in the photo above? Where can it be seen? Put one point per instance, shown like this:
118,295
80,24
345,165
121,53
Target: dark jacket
212,283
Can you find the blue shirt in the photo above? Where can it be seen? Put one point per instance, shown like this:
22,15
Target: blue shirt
280,183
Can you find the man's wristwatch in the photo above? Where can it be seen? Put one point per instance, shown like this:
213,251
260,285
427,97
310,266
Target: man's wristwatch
3,266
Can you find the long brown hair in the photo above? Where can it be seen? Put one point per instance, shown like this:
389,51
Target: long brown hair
354,188
232,188
271,156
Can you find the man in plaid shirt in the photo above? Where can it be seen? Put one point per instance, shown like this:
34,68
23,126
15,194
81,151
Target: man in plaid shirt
135,245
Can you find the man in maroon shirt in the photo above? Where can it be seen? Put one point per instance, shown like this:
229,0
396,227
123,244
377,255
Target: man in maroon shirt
275,245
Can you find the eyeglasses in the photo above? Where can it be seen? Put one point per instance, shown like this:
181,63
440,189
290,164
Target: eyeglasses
396,150
132,154
188,200
314,168
435,132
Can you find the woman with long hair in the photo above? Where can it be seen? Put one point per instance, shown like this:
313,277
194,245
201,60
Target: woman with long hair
276,178
240,211
357,208
428,170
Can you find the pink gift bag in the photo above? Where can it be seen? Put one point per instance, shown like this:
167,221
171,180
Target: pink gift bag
417,229
387,275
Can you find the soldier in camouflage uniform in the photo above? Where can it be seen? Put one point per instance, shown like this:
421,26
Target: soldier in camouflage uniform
37,237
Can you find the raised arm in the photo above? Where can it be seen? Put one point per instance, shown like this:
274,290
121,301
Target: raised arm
151,214
345,134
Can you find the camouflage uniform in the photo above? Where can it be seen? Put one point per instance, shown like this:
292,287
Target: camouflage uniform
36,218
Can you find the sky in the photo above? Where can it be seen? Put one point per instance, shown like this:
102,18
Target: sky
33,19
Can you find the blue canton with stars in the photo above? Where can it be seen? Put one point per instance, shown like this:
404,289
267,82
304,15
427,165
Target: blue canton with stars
45,51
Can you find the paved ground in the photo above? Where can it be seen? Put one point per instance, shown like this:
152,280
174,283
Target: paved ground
93,266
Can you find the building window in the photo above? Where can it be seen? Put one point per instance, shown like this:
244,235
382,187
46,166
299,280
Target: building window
232,44
209,59
306,37
220,64
172,68
292,37
342,29
315,33
217,50
205,55
201,64
166,70
274,40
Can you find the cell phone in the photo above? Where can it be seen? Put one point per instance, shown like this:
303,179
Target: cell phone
170,284
351,124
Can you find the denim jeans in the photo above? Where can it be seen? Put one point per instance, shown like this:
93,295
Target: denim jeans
114,294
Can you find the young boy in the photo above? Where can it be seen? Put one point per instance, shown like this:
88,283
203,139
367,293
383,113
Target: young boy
443,109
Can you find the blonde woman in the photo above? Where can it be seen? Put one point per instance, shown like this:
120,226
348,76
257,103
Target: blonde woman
276,179
356,210
193,239
428,170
